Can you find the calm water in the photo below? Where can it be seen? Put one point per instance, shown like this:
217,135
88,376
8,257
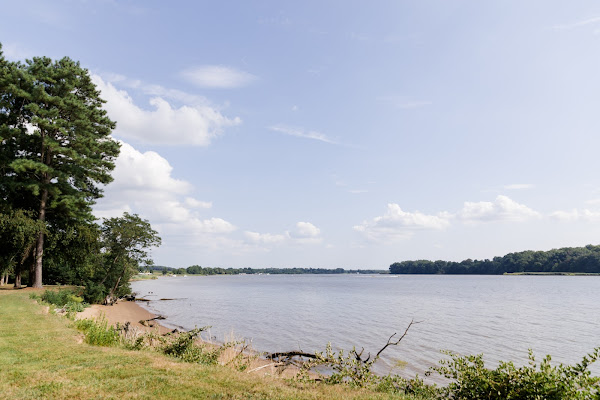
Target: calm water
500,316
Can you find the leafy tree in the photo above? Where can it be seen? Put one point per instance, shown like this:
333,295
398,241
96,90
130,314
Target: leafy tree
56,147
125,245
569,259
17,235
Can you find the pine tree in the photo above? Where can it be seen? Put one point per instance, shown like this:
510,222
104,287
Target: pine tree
63,149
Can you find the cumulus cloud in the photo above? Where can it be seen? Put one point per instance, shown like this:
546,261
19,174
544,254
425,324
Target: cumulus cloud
302,133
143,183
302,233
193,203
164,124
217,76
501,209
576,215
305,230
264,238
399,224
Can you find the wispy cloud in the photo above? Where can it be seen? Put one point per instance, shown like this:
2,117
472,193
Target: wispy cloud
518,186
218,77
151,89
302,133
15,52
578,24
404,102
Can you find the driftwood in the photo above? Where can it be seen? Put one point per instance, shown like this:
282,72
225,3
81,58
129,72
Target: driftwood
284,359
145,321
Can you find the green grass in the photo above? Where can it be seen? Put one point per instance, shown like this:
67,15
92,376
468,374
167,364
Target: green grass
42,356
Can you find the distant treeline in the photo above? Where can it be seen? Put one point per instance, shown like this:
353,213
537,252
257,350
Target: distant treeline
198,270
569,259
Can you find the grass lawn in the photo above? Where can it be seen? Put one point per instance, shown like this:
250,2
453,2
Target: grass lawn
43,357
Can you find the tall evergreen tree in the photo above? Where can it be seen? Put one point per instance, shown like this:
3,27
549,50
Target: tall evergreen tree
62,148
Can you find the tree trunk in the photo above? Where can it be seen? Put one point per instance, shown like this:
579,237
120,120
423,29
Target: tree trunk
39,250
17,277
31,262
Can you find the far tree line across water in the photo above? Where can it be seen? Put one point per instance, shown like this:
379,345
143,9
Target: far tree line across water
198,270
565,260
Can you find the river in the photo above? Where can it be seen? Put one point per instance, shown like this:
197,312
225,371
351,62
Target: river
500,316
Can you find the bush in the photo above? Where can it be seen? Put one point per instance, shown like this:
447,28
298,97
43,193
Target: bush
472,381
98,332
94,293
184,347
61,297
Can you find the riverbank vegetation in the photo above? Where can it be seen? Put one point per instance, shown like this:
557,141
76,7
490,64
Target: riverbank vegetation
62,364
567,260
43,356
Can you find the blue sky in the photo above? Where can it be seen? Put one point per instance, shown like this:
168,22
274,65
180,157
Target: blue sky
340,133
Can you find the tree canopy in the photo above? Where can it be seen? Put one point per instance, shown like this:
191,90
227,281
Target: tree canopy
56,147
568,260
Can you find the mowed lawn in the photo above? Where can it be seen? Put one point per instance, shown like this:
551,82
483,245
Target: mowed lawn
43,357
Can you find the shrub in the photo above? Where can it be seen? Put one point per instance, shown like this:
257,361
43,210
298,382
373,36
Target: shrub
471,380
61,297
98,332
94,293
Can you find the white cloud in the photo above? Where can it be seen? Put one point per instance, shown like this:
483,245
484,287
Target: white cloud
264,238
299,132
502,209
302,233
217,76
193,203
305,230
192,125
576,215
399,224
518,186
143,184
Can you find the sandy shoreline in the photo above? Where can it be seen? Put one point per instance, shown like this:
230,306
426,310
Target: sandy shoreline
122,312
129,311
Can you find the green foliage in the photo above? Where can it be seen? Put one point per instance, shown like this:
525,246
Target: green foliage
352,370
98,332
55,153
125,243
565,260
198,270
17,234
61,297
472,381
66,299
185,347
94,293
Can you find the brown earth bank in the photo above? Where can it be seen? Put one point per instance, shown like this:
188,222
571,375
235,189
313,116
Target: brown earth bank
129,311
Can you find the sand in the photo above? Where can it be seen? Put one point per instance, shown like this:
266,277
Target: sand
122,312
129,311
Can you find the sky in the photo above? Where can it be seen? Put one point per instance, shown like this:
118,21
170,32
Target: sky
336,134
